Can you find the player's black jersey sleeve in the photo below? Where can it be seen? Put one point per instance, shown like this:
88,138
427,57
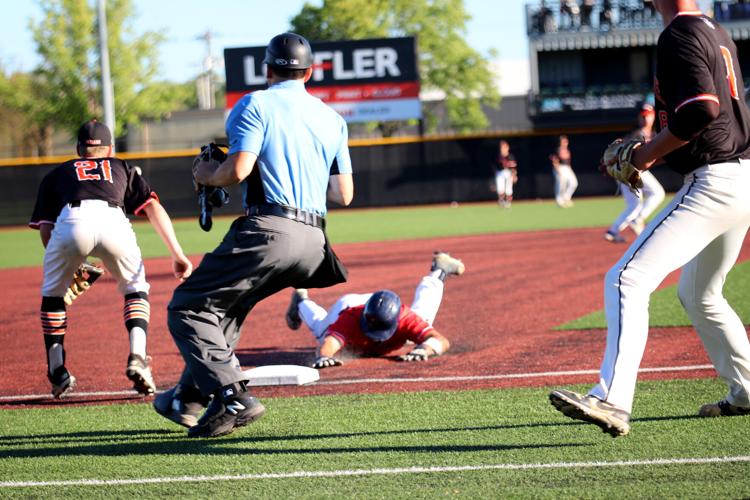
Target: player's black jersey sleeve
108,179
139,193
698,93
48,202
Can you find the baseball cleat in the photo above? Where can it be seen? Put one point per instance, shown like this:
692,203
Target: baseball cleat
722,409
637,226
139,373
293,320
62,381
614,238
181,404
609,418
223,416
449,265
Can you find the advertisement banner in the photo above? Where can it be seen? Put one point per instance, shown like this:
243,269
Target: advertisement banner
364,80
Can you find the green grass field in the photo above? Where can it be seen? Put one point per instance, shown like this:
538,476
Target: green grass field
362,446
22,247
467,444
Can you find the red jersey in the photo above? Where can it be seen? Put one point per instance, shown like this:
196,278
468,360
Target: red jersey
347,330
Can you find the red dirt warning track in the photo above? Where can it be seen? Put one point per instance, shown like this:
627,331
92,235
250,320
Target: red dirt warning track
499,317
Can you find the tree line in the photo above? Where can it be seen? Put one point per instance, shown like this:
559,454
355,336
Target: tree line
64,89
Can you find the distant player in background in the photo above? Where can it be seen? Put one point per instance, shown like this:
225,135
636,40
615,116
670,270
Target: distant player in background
638,206
506,174
376,324
80,211
566,181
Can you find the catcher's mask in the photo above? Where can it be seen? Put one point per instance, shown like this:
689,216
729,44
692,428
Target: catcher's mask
290,51
380,316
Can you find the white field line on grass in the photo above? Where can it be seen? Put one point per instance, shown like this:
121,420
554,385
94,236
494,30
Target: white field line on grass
404,380
374,472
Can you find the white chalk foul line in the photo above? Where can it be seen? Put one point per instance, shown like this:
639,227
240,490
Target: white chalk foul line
404,380
374,472
460,378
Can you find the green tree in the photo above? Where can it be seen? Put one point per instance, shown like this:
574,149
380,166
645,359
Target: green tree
24,118
68,78
446,61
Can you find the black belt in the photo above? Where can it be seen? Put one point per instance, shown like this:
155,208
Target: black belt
77,203
289,213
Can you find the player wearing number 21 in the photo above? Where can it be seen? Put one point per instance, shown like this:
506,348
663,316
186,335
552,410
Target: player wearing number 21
80,211
704,134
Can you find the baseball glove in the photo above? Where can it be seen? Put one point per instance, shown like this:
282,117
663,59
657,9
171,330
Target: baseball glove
83,278
210,197
616,162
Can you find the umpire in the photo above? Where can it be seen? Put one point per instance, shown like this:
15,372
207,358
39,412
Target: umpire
289,152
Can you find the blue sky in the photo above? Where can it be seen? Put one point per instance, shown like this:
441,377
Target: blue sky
498,24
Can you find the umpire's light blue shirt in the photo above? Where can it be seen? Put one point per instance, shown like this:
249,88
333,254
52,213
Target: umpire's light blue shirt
296,137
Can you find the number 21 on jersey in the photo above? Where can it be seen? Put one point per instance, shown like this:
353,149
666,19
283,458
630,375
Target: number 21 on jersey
84,170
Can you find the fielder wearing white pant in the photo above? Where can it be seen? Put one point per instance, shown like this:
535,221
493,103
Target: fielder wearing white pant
506,174
80,211
566,181
377,324
566,184
713,207
638,206
704,134
504,186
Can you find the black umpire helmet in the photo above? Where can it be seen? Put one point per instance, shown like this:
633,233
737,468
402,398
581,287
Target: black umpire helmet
380,316
290,51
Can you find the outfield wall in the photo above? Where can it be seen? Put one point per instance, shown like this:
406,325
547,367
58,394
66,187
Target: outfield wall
401,171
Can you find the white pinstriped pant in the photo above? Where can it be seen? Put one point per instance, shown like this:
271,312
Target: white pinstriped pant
700,231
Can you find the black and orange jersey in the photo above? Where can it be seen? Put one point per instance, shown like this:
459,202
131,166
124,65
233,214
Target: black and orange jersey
697,70
108,179
507,161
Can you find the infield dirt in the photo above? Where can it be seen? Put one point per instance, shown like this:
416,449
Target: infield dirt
499,317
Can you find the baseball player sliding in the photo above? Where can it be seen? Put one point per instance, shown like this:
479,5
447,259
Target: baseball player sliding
80,212
377,324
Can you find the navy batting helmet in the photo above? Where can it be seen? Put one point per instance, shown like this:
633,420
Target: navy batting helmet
380,316
289,50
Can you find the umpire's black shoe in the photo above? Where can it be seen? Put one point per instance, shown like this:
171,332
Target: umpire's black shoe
227,412
181,404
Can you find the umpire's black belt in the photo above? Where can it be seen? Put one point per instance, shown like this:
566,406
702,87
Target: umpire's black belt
287,212
77,203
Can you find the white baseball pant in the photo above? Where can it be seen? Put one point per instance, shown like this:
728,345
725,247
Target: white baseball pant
504,182
638,206
702,231
97,229
566,184
427,298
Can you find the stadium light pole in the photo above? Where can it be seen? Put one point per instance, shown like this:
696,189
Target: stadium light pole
108,99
